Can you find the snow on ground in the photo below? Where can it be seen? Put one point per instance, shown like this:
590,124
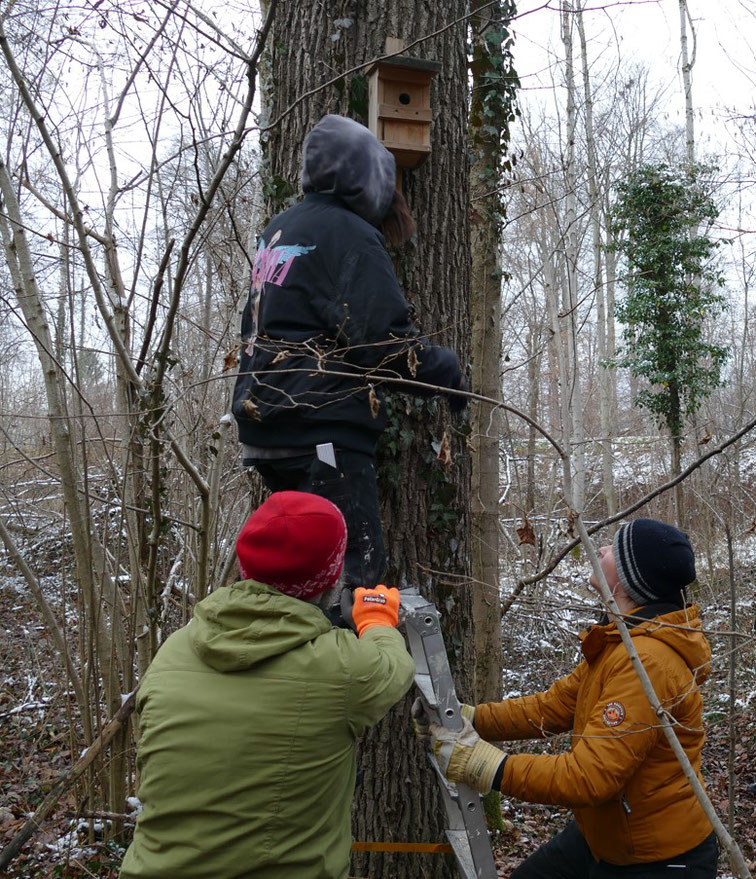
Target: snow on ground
540,644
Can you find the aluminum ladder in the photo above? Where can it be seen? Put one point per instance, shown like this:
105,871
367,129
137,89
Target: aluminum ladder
466,824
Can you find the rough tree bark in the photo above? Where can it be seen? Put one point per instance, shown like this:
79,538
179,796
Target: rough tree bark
485,217
425,505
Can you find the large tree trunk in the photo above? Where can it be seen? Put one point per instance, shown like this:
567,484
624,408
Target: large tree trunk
485,177
425,504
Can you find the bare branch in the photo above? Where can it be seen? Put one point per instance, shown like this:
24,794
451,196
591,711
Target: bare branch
66,780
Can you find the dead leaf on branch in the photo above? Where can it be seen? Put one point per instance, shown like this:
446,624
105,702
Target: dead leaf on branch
705,439
525,534
282,355
250,410
231,360
412,362
375,403
444,452
571,523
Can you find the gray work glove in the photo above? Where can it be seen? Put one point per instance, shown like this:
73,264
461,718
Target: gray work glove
420,720
465,758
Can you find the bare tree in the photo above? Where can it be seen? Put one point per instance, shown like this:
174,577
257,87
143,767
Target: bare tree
491,110
138,465
316,65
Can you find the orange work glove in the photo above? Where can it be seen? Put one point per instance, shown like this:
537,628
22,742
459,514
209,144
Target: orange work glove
375,607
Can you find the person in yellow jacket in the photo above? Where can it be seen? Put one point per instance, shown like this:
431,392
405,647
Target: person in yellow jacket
635,813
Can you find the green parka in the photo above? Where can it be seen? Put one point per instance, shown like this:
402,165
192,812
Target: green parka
249,717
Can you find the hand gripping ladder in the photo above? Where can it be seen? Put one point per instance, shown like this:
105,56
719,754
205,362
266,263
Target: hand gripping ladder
466,824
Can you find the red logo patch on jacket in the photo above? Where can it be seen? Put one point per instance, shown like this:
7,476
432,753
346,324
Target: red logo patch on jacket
614,713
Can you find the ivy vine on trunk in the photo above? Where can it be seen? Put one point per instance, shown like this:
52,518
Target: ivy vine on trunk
662,220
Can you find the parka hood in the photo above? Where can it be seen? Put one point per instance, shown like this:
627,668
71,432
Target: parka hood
681,630
343,158
238,626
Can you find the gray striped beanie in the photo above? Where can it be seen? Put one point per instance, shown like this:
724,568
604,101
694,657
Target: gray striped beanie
654,561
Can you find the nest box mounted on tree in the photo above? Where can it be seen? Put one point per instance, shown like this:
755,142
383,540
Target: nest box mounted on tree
400,108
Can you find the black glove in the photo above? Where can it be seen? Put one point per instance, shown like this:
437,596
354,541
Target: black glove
458,403
340,615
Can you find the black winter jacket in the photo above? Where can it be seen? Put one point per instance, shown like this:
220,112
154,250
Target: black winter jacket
324,322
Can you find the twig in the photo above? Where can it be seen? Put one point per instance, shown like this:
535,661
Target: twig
733,664
66,780
47,613
206,200
378,376
597,526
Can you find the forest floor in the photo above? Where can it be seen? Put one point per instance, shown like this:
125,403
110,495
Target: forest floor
36,715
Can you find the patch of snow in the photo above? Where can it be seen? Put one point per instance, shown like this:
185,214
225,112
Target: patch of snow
135,806
68,844
37,705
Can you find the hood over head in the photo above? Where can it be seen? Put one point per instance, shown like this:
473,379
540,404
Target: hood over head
343,158
679,629
238,626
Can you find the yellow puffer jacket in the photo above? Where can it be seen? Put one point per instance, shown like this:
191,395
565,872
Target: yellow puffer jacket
630,798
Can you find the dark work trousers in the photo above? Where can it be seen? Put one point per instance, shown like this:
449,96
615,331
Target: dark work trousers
567,856
353,488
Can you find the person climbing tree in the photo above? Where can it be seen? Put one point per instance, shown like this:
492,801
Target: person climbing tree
325,326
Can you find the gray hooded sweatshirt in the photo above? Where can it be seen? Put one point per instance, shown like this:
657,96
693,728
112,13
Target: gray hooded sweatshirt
343,158
322,281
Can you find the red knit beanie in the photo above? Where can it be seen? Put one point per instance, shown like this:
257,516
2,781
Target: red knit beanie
295,542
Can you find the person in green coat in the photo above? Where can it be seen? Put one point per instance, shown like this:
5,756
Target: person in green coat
249,714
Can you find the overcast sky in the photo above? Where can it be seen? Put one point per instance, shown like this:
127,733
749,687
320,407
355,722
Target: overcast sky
724,76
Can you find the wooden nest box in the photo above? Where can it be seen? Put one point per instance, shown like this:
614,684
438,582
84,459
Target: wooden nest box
400,108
